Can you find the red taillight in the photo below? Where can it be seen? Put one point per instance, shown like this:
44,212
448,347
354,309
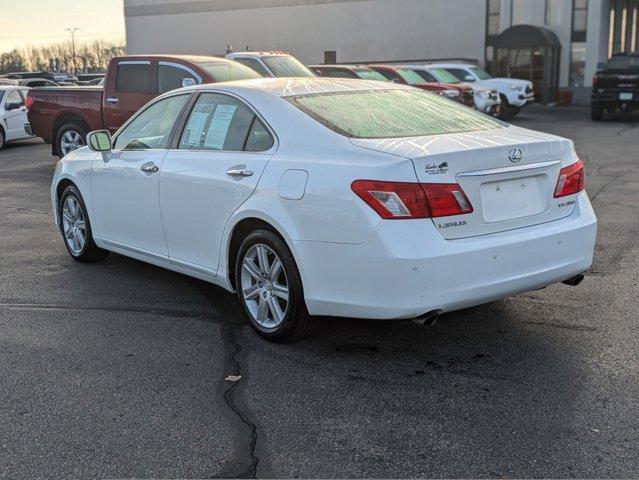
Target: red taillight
28,102
571,180
446,199
397,200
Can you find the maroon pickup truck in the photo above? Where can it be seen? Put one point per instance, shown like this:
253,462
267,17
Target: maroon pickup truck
64,116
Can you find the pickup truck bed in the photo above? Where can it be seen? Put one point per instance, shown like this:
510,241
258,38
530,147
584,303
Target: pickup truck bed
57,105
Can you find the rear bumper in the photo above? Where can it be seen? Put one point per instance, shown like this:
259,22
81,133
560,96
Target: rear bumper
612,99
409,269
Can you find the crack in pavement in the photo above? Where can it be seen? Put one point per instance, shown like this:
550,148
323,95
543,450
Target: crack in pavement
28,210
606,185
246,461
233,366
165,312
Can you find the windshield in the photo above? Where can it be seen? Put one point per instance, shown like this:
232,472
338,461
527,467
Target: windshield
623,62
443,76
480,73
411,77
227,71
391,113
286,66
368,74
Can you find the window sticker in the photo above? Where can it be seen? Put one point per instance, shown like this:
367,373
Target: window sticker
219,126
197,123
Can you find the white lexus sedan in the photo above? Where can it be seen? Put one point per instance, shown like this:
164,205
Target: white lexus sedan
338,197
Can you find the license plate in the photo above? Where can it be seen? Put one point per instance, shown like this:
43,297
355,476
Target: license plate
625,96
509,199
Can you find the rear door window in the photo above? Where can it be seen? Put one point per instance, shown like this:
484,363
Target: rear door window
134,77
171,77
217,122
14,98
222,122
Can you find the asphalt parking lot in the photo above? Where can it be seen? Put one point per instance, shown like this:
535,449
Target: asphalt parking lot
117,369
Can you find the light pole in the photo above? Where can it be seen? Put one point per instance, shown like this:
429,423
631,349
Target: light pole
72,32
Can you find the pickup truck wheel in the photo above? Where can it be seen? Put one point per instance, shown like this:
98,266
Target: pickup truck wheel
76,228
3,140
70,137
507,110
596,113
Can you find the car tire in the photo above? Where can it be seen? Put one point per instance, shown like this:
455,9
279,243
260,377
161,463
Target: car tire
70,136
75,228
596,113
269,288
507,110
3,139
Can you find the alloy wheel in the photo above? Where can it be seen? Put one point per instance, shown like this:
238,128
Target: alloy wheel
73,225
71,140
264,285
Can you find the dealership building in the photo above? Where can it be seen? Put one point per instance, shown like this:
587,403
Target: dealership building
558,44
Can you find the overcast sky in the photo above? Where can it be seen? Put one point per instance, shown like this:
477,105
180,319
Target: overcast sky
38,22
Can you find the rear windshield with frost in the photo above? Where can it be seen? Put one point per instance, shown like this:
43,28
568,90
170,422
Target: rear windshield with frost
391,113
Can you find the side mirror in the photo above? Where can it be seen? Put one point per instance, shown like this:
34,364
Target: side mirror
469,78
188,82
99,141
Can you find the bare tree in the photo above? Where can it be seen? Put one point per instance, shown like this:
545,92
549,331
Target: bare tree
90,57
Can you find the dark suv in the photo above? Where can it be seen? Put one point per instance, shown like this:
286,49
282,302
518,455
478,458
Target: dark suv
616,86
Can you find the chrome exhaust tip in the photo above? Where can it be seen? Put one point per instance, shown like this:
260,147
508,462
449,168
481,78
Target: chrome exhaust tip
428,319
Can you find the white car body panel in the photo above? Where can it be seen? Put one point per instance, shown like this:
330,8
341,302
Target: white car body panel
351,261
12,121
512,88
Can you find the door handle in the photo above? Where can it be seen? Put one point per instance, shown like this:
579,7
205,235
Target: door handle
149,168
112,99
239,172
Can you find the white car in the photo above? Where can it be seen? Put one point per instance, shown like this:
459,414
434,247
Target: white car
272,64
338,197
13,114
514,93
486,99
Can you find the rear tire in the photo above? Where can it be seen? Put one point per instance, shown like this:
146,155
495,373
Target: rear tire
596,113
269,288
3,139
70,136
76,228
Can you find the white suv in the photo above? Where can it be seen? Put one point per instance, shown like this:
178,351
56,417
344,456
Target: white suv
272,64
486,99
13,114
514,93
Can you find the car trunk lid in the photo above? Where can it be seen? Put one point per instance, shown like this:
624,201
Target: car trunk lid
508,174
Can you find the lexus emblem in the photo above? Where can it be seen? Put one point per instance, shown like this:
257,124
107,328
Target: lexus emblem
515,155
